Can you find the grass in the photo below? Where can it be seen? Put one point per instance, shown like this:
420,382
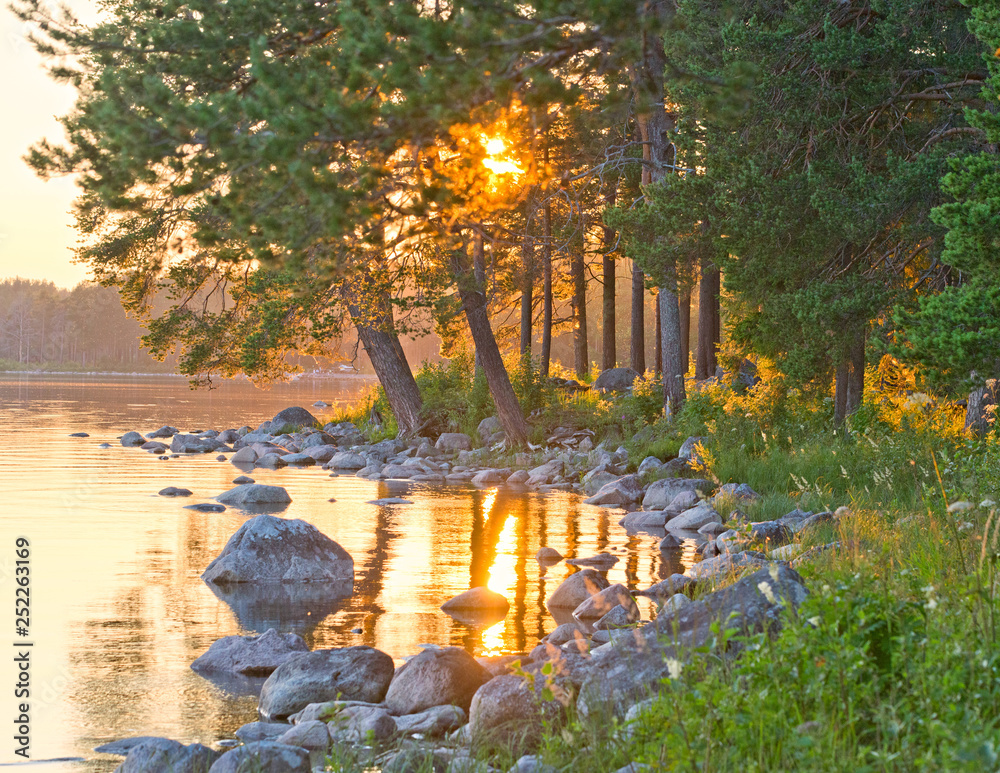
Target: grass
892,663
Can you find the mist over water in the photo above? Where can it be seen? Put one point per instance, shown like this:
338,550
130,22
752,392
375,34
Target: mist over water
119,611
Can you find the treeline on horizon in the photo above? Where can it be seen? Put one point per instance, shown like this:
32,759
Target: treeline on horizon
813,185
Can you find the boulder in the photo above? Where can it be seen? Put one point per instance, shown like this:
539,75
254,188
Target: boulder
261,731
302,460
490,477
436,721
271,549
546,473
164,431
161,755
246,455
173,491
153,446
361,724
123,746
602,561
132,439
298,417
695,518
598,605
489,427
453,441
615,380
674,584
742,493
346,460
662,492
616,617
349,673
506,712
271,461
576,589
687,449
312,735
479,598
316,439
518,478
192,444
635,666
596,479
625,490
771,534
648,464
643,519
547,555
685,500
254,494
321,453
269,756
725,565
435,677
250,655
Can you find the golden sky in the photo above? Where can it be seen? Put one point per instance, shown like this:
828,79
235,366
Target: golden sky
36,228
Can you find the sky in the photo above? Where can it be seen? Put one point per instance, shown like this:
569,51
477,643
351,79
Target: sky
37,235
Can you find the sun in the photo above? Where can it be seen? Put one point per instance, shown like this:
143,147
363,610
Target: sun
495,146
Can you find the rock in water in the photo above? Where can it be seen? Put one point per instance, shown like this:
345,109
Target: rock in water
435,677
300,417
271,549
269,756
250,655
576,589
130,439
349,673
255,494
477,598
173,491
161,755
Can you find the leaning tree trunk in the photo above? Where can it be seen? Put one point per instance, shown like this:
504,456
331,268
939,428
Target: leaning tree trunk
655,126
474,303
378,335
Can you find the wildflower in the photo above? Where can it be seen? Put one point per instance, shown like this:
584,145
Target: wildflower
814,621
674,667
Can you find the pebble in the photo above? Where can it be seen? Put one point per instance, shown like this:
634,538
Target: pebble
206,508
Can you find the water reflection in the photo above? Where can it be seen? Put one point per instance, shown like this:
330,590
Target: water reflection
121,606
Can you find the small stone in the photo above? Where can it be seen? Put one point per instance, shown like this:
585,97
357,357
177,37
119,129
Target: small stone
80,434
171,491
205,507
132,439
242,479
547,555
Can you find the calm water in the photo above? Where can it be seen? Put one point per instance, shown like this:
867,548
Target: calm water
119,611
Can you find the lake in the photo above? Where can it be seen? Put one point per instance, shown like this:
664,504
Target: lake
118,609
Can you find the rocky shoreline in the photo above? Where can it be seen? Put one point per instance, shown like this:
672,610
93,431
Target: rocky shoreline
443,709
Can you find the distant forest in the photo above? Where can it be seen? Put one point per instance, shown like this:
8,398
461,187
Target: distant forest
45,327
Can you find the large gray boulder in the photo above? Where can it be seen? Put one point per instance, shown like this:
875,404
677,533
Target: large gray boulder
598,605
347,460
246,455
254,494
694,519
546,473
626,490
349,673
636,666
435,677
312,735
489,427
662,492
435,721
615,380
161,755
269,549
724,566
506,712
261,756
298,417
361,724
250,655
576,589
453,441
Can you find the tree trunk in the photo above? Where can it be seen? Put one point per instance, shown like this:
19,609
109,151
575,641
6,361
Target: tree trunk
581,355
608,354
546,290
479,270
658,349
637,349
655,126
980,413
673,370
378,335
474,303
685,313
527,293
850,382
708,324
